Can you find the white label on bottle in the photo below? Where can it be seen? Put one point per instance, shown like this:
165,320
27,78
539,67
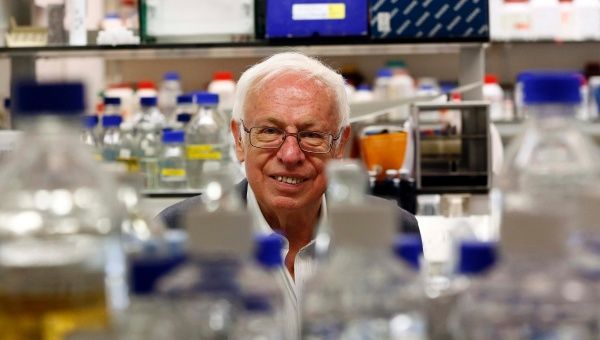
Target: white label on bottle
332,11
383,22
125,153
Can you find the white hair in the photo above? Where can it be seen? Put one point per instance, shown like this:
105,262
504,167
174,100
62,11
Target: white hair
292,62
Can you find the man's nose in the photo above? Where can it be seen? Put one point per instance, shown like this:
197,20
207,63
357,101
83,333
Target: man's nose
290,153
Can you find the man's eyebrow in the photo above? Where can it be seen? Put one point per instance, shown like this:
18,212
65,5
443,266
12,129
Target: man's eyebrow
308,125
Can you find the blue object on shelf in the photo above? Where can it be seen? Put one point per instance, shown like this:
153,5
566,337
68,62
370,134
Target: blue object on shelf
316,18
443,20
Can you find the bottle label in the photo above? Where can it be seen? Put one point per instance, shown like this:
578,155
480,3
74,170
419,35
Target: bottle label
125,153
202,152
172,172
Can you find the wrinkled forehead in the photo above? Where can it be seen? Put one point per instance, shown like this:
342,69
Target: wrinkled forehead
298,87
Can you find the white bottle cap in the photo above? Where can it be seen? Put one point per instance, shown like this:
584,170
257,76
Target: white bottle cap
531,234
364,226
221,233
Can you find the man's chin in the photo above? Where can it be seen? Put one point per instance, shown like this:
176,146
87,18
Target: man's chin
286,203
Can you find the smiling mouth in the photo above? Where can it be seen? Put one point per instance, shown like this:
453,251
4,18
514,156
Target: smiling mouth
288,180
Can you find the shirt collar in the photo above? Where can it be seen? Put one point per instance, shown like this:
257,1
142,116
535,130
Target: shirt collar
261,226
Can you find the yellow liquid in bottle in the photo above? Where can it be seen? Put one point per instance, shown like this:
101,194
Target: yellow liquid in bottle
51,288
132,164
51,317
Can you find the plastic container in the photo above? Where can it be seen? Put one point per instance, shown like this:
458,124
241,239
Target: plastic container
172,162
493,93
223,84
363,94
587,19
363,287
112,106
111,137
222,279
207,138
170,88
516,19
150,113
381,88
549,169
545,19
150,146
60,231
88,136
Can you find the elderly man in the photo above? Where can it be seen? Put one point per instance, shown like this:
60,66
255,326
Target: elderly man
290,117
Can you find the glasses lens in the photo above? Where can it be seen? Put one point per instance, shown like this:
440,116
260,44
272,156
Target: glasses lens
315,141
266,137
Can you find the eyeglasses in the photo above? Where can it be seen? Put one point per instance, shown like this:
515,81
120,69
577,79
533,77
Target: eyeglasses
268,137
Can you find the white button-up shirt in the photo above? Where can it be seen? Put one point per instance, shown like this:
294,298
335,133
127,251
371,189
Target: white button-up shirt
305,263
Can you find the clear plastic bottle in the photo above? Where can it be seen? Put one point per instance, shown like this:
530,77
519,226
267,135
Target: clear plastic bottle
129,150
535,291
207,138
268,317
149,113
88,135
111,138
150,146
363,291
185,105
170,89
381,88
493,93
155,254
112,106
61,261
221,289
172,161
223,84
363,94
183,119
402,85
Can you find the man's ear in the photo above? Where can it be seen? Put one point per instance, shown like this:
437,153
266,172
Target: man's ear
341,145
237,138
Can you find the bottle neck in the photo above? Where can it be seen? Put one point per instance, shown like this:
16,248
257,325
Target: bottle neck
552,116
148,110
207,110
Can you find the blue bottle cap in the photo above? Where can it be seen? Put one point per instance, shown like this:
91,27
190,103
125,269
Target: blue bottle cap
111,121
552,88
171,76
256,303
409,248
476,257
524,75
184,117
268,250
206,98
90,121
176,136
185,99
363,87
146,271
112,101
49,98
167,129
148,101
384,73
7,103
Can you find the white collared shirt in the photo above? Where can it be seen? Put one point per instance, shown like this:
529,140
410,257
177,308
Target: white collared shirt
305,263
